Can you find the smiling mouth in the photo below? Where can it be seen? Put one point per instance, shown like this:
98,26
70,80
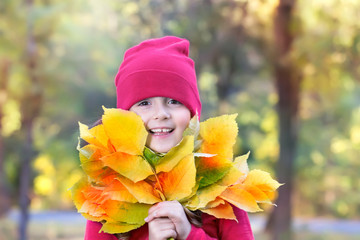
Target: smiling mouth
161,131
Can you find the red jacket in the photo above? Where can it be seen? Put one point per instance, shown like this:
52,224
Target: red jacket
212,228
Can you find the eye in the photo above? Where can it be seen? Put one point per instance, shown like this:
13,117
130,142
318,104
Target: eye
143,103
173,101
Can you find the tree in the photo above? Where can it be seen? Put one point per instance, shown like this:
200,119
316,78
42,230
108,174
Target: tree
287,81
4,189
31,106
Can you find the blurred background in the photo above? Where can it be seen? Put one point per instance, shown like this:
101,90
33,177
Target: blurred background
289,68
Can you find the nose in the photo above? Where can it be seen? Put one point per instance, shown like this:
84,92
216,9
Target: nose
161,112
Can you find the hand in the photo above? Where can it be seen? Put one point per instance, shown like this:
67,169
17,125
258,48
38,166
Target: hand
173,211
161,228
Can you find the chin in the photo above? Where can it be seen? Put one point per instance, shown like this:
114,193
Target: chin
163,146
161,149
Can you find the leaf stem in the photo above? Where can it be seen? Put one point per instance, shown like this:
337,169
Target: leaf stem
157,179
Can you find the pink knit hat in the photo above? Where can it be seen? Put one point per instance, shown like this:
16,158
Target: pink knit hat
158,67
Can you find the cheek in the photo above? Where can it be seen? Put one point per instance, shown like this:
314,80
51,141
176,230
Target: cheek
183,119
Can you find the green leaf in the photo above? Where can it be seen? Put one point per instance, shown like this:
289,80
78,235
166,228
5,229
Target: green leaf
132,213
173,157
152,157
118,227
204,196
211,176
193,130
194,127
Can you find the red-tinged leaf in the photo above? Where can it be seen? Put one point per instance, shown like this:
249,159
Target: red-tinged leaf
77,192
88,199
92,164
92,209
117,191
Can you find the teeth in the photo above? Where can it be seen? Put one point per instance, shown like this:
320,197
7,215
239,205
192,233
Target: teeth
160,130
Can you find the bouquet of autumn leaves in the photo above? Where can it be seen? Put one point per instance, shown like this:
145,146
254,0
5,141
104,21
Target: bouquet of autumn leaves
123,178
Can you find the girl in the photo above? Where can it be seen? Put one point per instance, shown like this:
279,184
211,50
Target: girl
157,81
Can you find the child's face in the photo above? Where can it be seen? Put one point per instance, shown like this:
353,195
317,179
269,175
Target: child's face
165,120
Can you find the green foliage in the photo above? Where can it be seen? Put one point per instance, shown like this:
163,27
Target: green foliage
152,157
328,146
80,45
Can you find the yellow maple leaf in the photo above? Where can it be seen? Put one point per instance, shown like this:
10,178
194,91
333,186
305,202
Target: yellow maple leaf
134,167
218,137
223,210
132,213
88,200
90,158
177,153
262,179
125,130
178,183
237,173
114,227
115,190
255,188
205,195
126,177
143,191
241,199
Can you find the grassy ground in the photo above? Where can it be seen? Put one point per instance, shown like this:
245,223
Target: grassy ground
57,228
44,230
313,236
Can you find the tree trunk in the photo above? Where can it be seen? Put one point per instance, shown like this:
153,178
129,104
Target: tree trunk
25,179
30,109
288,88
4,191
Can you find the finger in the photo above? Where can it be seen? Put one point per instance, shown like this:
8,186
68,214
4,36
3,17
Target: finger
164,234
169,233
161,205
153,208
154,211
171,209
151,216
162,222
162,228
170,205
159,213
